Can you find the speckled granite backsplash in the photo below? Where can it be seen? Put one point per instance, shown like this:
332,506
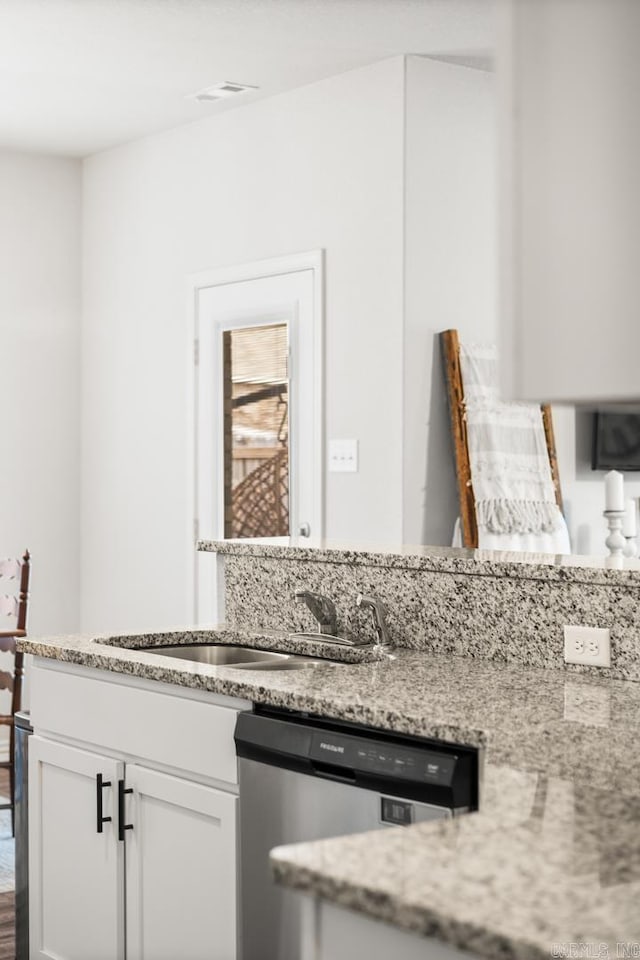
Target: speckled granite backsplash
517,619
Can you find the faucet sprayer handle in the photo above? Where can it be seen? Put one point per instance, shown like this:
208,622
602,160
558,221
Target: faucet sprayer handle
379,612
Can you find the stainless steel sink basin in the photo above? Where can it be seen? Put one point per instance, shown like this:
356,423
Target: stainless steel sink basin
292,662
241,658
216,654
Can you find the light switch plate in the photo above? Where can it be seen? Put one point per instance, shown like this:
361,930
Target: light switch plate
343,456
587,645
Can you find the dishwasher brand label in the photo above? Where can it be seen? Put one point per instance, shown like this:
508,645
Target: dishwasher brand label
338,751
332,747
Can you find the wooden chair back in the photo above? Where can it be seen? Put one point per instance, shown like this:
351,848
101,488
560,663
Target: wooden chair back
13,622
450,346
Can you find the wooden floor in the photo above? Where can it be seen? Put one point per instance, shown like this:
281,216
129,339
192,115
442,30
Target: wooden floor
7,930
7,903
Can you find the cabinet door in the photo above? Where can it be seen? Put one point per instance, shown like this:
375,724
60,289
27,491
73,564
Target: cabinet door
570,199
330,933
180,869
76,873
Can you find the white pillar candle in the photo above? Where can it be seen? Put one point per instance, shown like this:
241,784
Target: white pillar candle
614,491
629,524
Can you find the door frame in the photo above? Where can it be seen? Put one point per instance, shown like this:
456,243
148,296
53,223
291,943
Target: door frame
236,273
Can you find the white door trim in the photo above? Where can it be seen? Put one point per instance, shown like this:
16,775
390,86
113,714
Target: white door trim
276,266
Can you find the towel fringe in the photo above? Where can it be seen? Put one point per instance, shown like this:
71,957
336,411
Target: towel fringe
518,516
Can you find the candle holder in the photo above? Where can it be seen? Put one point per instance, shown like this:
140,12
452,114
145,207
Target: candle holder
630,547
615,541
616,562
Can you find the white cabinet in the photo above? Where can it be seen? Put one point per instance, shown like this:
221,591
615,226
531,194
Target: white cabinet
180,869
331,933
126,860
570,199
75,872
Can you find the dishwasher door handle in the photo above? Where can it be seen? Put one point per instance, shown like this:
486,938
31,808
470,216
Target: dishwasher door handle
330,772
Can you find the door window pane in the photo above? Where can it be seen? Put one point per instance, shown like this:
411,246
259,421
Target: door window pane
256,431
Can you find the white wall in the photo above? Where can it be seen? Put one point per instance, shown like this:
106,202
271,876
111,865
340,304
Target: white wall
39,377
451,281
321,166
450,269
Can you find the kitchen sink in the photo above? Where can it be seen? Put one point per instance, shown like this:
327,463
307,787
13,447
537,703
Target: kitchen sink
292,662
216,654
246,658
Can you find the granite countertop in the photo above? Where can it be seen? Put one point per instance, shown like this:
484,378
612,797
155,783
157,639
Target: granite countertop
553,855
563,568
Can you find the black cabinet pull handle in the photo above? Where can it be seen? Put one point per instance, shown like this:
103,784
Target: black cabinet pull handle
122,826
100,785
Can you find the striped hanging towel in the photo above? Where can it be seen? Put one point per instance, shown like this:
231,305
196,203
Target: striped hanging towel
510,469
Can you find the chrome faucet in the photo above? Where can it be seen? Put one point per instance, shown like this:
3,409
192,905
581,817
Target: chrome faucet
322,608
379,612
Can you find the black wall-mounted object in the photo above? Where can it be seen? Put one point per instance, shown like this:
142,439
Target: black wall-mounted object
616,440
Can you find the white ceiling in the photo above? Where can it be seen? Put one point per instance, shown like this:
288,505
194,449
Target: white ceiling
78,76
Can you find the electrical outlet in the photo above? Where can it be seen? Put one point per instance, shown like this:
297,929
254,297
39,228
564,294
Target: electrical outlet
587,645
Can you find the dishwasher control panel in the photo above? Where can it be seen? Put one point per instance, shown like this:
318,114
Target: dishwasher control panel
386,759
392,764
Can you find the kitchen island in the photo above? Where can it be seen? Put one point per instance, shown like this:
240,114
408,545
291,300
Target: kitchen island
552,855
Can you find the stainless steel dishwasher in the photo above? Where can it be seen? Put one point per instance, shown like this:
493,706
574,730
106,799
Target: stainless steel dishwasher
302,778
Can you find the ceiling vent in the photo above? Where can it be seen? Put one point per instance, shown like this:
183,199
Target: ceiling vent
219,91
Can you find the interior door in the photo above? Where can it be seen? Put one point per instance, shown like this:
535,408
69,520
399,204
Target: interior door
76,867
233,320
180,869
